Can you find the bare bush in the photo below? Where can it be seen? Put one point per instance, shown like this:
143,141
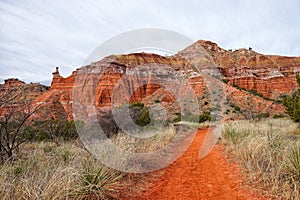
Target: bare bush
13,122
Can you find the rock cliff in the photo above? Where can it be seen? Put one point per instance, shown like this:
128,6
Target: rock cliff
236,73
270,75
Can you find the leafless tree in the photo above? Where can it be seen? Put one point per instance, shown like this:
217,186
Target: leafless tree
14,115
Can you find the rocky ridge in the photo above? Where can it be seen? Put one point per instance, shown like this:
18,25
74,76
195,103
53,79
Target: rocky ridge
268,75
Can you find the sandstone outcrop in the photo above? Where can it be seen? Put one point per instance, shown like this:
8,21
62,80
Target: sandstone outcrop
270,75
142,77
15,94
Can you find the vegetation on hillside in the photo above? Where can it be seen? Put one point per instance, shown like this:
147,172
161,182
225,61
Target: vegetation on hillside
292,103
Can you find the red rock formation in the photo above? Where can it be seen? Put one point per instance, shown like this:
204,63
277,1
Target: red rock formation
13,82
57,102
16,94
104,81
269,75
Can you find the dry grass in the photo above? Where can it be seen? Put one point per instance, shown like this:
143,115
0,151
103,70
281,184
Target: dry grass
202,125
144,145
47,171
269,151
67,171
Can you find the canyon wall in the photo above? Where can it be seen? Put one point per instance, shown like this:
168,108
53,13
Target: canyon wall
142,77
270,75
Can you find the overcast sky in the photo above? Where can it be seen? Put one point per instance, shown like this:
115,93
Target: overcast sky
37,35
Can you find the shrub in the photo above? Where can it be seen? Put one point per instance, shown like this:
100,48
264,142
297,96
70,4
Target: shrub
205,116
190,117
263,115
298,79
238,87
225,81
277,116
292,103
137,105
177,118
254,92
236,108
52,130
144,118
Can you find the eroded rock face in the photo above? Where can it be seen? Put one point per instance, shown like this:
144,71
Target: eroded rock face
13,82
16,94
132,78
271,76
117,79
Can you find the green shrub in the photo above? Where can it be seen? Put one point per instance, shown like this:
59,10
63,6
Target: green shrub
137,105
263,115
225,81
190,117
292,103
52,130
177,118
205,116
254,92
278,101
298,79
277,116
144,118
238,87
236,108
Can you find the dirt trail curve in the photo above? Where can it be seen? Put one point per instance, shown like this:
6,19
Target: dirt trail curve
191,178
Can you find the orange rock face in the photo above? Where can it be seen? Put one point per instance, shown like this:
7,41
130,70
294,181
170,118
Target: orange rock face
13,82
271,76
117,79
16,94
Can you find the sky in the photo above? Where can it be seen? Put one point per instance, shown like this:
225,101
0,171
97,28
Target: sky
37,35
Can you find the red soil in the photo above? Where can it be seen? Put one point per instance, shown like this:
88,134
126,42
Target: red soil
188,178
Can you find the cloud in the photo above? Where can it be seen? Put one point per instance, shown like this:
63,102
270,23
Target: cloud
36,36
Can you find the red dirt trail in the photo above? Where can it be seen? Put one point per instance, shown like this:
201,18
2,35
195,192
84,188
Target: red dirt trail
191,178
